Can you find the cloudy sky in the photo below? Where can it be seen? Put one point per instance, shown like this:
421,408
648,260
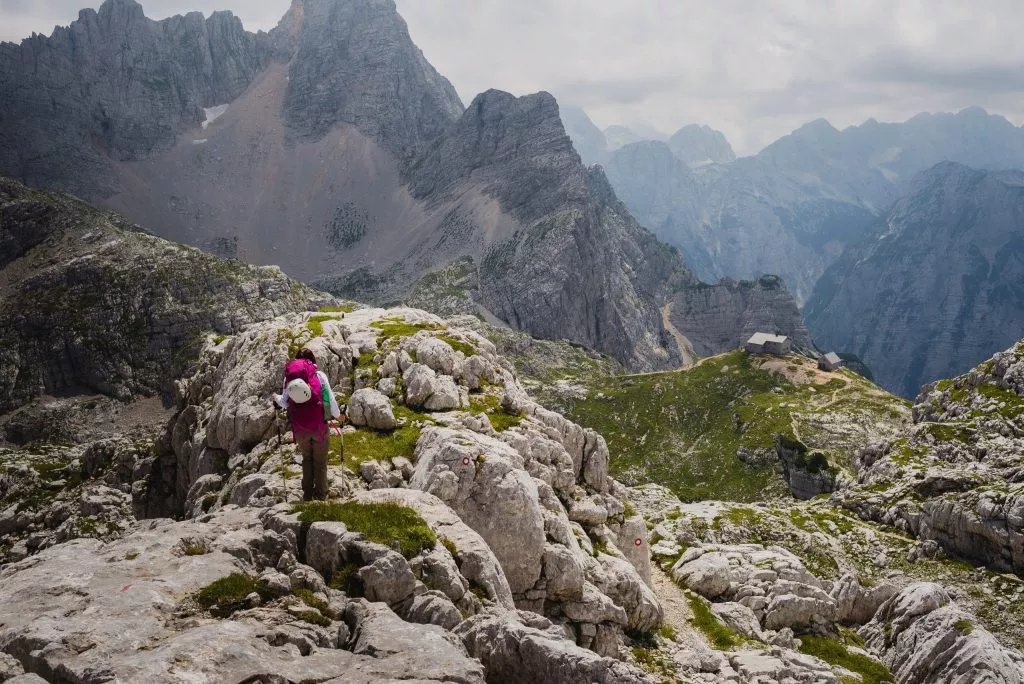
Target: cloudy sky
755,70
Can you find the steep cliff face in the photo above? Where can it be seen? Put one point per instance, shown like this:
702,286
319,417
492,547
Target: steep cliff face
90,302
573,244
114,86
717,318
354,63
938,288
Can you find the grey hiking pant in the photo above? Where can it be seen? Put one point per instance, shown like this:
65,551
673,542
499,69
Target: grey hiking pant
314,448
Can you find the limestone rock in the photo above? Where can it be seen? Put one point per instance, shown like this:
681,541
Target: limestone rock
426,651
707,575
425,389
514,653
923,636
372,409
437,355
491,489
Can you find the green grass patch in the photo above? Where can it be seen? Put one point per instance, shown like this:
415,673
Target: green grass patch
345,308
721,636
669,632
315,324
834,653
311,600
346,579
965,627
949,432
450,546
192,549
131,555
656,662
394,328
226,596
601,546
368,445
314,618
686,429
458,345
380,523
490,405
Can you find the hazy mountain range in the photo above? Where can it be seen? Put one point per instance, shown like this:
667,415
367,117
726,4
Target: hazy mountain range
792,208
937,286
331,147
798,206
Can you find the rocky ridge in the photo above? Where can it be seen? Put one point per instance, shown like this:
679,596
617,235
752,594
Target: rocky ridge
796,205
534,546
954,476
861,598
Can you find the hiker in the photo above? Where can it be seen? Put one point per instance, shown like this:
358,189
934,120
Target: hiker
310,402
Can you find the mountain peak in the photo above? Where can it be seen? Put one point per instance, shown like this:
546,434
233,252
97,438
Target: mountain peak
354,62
699,145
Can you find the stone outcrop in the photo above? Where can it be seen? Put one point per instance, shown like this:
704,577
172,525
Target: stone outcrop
954,477
926,637
523,510
516,559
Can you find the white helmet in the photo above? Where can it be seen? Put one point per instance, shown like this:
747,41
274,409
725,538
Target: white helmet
298,391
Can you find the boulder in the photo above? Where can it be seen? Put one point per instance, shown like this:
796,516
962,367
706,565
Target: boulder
856,605
474,560
388,579
483,481
436,354
433,608
619,580
370,408
708,575
798,612
426,390
739,618
563,573
514,653
475,371
428,651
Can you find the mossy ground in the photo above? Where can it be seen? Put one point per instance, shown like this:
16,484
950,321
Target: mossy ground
394,328
718,633
684,429
227,595
833,652
369,445
490,405
384,523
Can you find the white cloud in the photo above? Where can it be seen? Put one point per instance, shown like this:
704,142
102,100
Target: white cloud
755,70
